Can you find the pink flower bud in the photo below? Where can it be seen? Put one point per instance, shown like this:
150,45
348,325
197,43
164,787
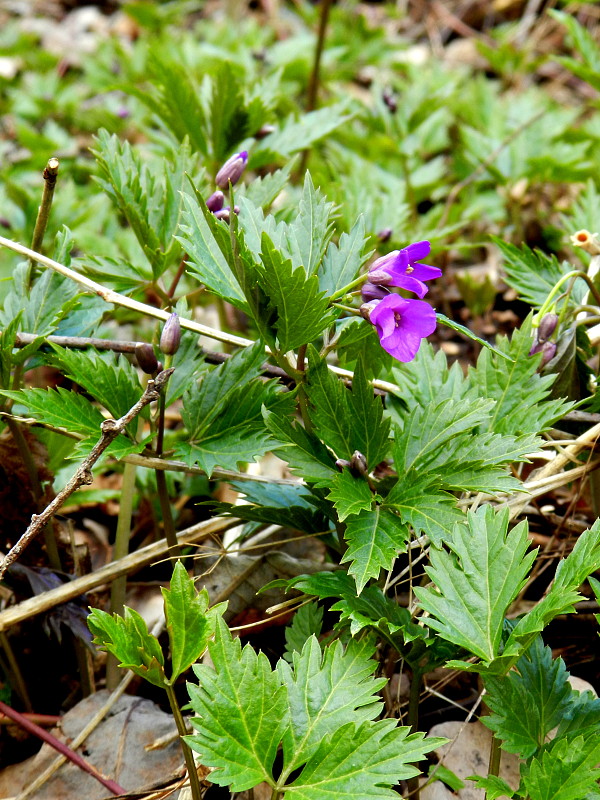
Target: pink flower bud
231,170
171,336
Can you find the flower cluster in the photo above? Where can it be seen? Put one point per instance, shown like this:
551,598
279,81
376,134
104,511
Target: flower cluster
400,323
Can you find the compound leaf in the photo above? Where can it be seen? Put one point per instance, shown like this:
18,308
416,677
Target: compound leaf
374,540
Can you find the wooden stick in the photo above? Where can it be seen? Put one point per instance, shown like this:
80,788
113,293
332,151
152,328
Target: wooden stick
131,563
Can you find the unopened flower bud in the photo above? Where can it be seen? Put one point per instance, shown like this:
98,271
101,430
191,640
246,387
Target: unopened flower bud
358,464
231,170
370,291
224,214
265,131
548,353
389,98
366,308
171,335
342,463
215,201
385,235
379,277
146,358
547,327
5,223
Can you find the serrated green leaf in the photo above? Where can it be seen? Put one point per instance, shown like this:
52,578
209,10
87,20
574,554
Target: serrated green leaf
476,581
428,378
207,260
242,713
566,770
263,190
189,621
529,702
299,518
361,763
325,691
374,540
303,311
346,419
306,455
129,640
493,786
456,326
61,409
350,495
307,622
227,115
421,504
311,229
342,261
297,135
533,274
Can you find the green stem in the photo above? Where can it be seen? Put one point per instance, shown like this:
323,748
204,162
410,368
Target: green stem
302,396
495,755
187,753
573,274
346,289
313,83
50,174
161,481
413,722
120,550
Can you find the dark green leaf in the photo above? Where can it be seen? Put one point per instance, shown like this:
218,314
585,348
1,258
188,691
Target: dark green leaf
374,540
307,622
350,495
311,229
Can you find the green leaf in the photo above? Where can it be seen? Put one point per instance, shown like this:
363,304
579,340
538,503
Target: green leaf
325,691
111,380
420,504
263,190
207,260
190,623
302,310
566,770
307,622
223,413
361,763
342,261
456,326
374,540
528,703
60,409
350,495
533,274
346,419
242,713
493,786
298,135
129,640
311,229
476,580
306,455
227,116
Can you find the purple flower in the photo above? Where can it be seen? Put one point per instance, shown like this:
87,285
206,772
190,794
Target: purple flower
401,324
216,201
231,170
400,268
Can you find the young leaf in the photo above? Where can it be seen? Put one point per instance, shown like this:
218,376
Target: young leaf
566,770
207,260
343,261
493,786
190,622
302,310
529,702
361,763
310,231
374,540
129,640
60,409
476,581
242,713
307,622
326,690
350,495
346,419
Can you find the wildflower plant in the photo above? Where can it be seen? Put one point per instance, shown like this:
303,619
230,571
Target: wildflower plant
391,453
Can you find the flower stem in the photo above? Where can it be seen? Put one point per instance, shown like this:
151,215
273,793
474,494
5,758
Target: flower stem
352,285
187,753
161,482
495,755
573,274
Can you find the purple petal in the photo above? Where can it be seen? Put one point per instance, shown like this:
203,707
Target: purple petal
425,272
419,318
417,251
410,283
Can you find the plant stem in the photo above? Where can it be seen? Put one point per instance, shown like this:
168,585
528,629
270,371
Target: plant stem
121,549
348,288
313,83
495,755
573,274
187,753
161,481
302,397
50,173
413,722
